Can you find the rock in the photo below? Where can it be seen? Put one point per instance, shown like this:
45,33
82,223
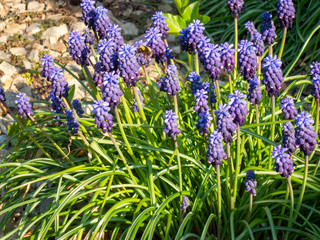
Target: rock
13,28
80,92
171,38
3,129
129,29
4,56
33,55
4,39
55,17
8,69
165,8
87,108
3,12
8,120
4,153
55,32
38,47
41,106
19,8
27,90
35,6
54,54
176,50
6,82
2,26
18,51
78,26
3,138
33,28
10,98
19,81
58,47
27,64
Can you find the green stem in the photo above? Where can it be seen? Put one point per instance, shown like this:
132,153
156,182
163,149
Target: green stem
91,83
304,183
235,47
258,132
231,170
179,168
152,94
218,92
250,206
273,99
219,201
283,42
270,50
259,66
94,53
51,140
237,165
176,106
196,62
190,62
292,207
230,83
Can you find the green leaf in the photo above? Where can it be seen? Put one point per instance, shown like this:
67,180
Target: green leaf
175,23
181,4
204,19
71,92
191,12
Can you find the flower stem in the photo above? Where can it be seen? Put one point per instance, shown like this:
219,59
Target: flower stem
250,206
283,42
179,165
270,50
218,92
176,106
292,207
230,83
91,83
190,62
231,170
237,164
273,99
259,66
258,132
219,201
152,94
196,62
235,47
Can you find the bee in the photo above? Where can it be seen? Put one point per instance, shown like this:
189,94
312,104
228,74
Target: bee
146,51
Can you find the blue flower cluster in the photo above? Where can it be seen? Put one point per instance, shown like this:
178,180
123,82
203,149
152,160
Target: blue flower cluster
225,124
238,107
247,59
255,37
170,82
235,7
111,89
47,66
185,204
251,182
288,137
88,36
285,13
108,55
272,75
77,107
171,124
159,22
128,65
113,32
268,30
315,78
78,49
254,94
103,118
157,45
2,95
215,152
72,121
283,162
204,122
189,37
227,57
288,108
24,106
212,62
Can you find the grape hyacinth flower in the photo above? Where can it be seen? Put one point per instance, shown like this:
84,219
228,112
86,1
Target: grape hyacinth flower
79,51
169,55
201,101
238,107
55,73
288,137
142,59
247,59
98,73
268,30
195,82
111,89
212,62
170,82
113,32
47,64
225,124
194,34
77,107
72,121
185,204
155,42
204,122
227,57
203,43
57,106
213,97
171,124
103,118
251,182
304,133
315,78
215,151
60,87
159,22
288,109
128,65
87,11
183,39
135,103
272,75
101,21
283,162
24,106
2,96
235,7
250,29
108,56
285,13
254,94
315,70
88,36
255,37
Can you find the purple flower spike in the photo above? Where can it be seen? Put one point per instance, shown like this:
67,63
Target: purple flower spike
288,109
108,56
247,59
79,51
159,22
141,58
135,103
190,37
87,11
60,87
251,182
103,118
212,62
113,32
195,82
268,30
185,204
285,13
101,21
24,106
111,89
215,153
315,89
47,64
283,162
169,55
255,37
201,102
225,124
77,106
255,94
304,133
213,97
171,124
238,107
288,137
170,82
227,57
88,36
2,95
272,75
315,70
72,121
57,106
99,70
251,30
235,7
55,73
204,122
204,42
155,42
